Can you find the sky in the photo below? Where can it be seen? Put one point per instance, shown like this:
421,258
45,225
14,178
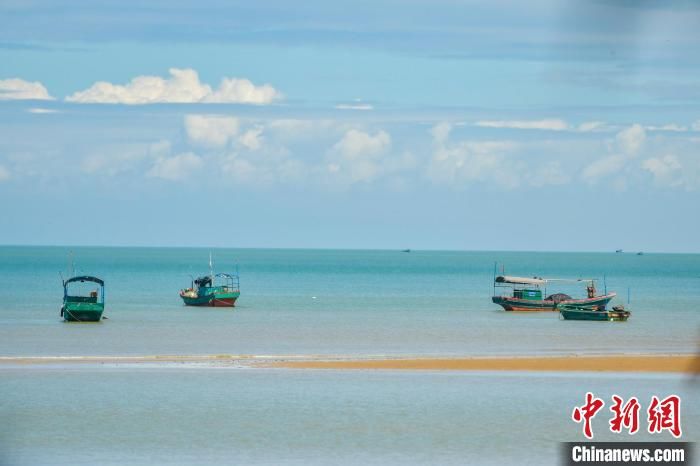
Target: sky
467,125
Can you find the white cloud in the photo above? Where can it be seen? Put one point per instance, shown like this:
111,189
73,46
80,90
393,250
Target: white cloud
357,156
591,126
123,158
663,168
358,143
551,173
41,111
252,139
467,161
19,89
631,140
628,144
183,86
354,106
262,170
211,130
4,173
553,124
177,167
603,167
240,169
242,91
674,172
669,127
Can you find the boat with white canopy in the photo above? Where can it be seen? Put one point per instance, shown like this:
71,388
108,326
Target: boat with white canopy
531,294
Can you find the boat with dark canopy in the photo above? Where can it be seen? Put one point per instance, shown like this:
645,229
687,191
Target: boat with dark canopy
217,290
82,307
530,294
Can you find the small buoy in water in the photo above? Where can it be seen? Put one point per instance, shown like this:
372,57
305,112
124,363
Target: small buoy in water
313,297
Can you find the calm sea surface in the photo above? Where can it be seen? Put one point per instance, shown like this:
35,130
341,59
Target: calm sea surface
323,302
340,302
137,416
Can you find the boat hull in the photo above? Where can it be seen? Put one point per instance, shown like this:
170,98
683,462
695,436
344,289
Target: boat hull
82,312
524,305
212,300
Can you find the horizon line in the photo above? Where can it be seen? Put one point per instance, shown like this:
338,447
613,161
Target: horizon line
398,249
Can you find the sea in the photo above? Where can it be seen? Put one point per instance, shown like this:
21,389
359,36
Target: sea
340,303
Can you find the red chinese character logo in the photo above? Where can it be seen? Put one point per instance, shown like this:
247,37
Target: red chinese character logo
625,416
587,412
665,415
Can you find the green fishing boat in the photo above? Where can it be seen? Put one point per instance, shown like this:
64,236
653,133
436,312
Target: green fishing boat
576,312
217,290
530,294
81,307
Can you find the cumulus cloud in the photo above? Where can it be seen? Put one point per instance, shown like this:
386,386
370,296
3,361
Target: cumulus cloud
177,167
183,86
358,144
663,168
262,169
468,161
627,146
603,167
19,89
123,158
240,169
553,124
252,138
357,156
631,140
211,130
672,171
551,173
4,173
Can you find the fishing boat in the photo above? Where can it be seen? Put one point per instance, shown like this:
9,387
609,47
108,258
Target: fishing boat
81,307
530,294
217,290
578,312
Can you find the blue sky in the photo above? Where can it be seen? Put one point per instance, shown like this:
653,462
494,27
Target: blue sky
546,125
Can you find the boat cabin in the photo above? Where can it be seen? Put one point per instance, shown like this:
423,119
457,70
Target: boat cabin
91,296
525,293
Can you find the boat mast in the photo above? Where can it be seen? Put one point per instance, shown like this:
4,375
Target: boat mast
211,268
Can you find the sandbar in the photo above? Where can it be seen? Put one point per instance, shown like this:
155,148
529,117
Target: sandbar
673,363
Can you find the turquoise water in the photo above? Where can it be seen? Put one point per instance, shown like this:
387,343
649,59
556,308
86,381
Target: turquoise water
112,416
340,302
322,302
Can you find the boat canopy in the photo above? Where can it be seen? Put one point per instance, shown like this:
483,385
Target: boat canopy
84,278
520,280
203,281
